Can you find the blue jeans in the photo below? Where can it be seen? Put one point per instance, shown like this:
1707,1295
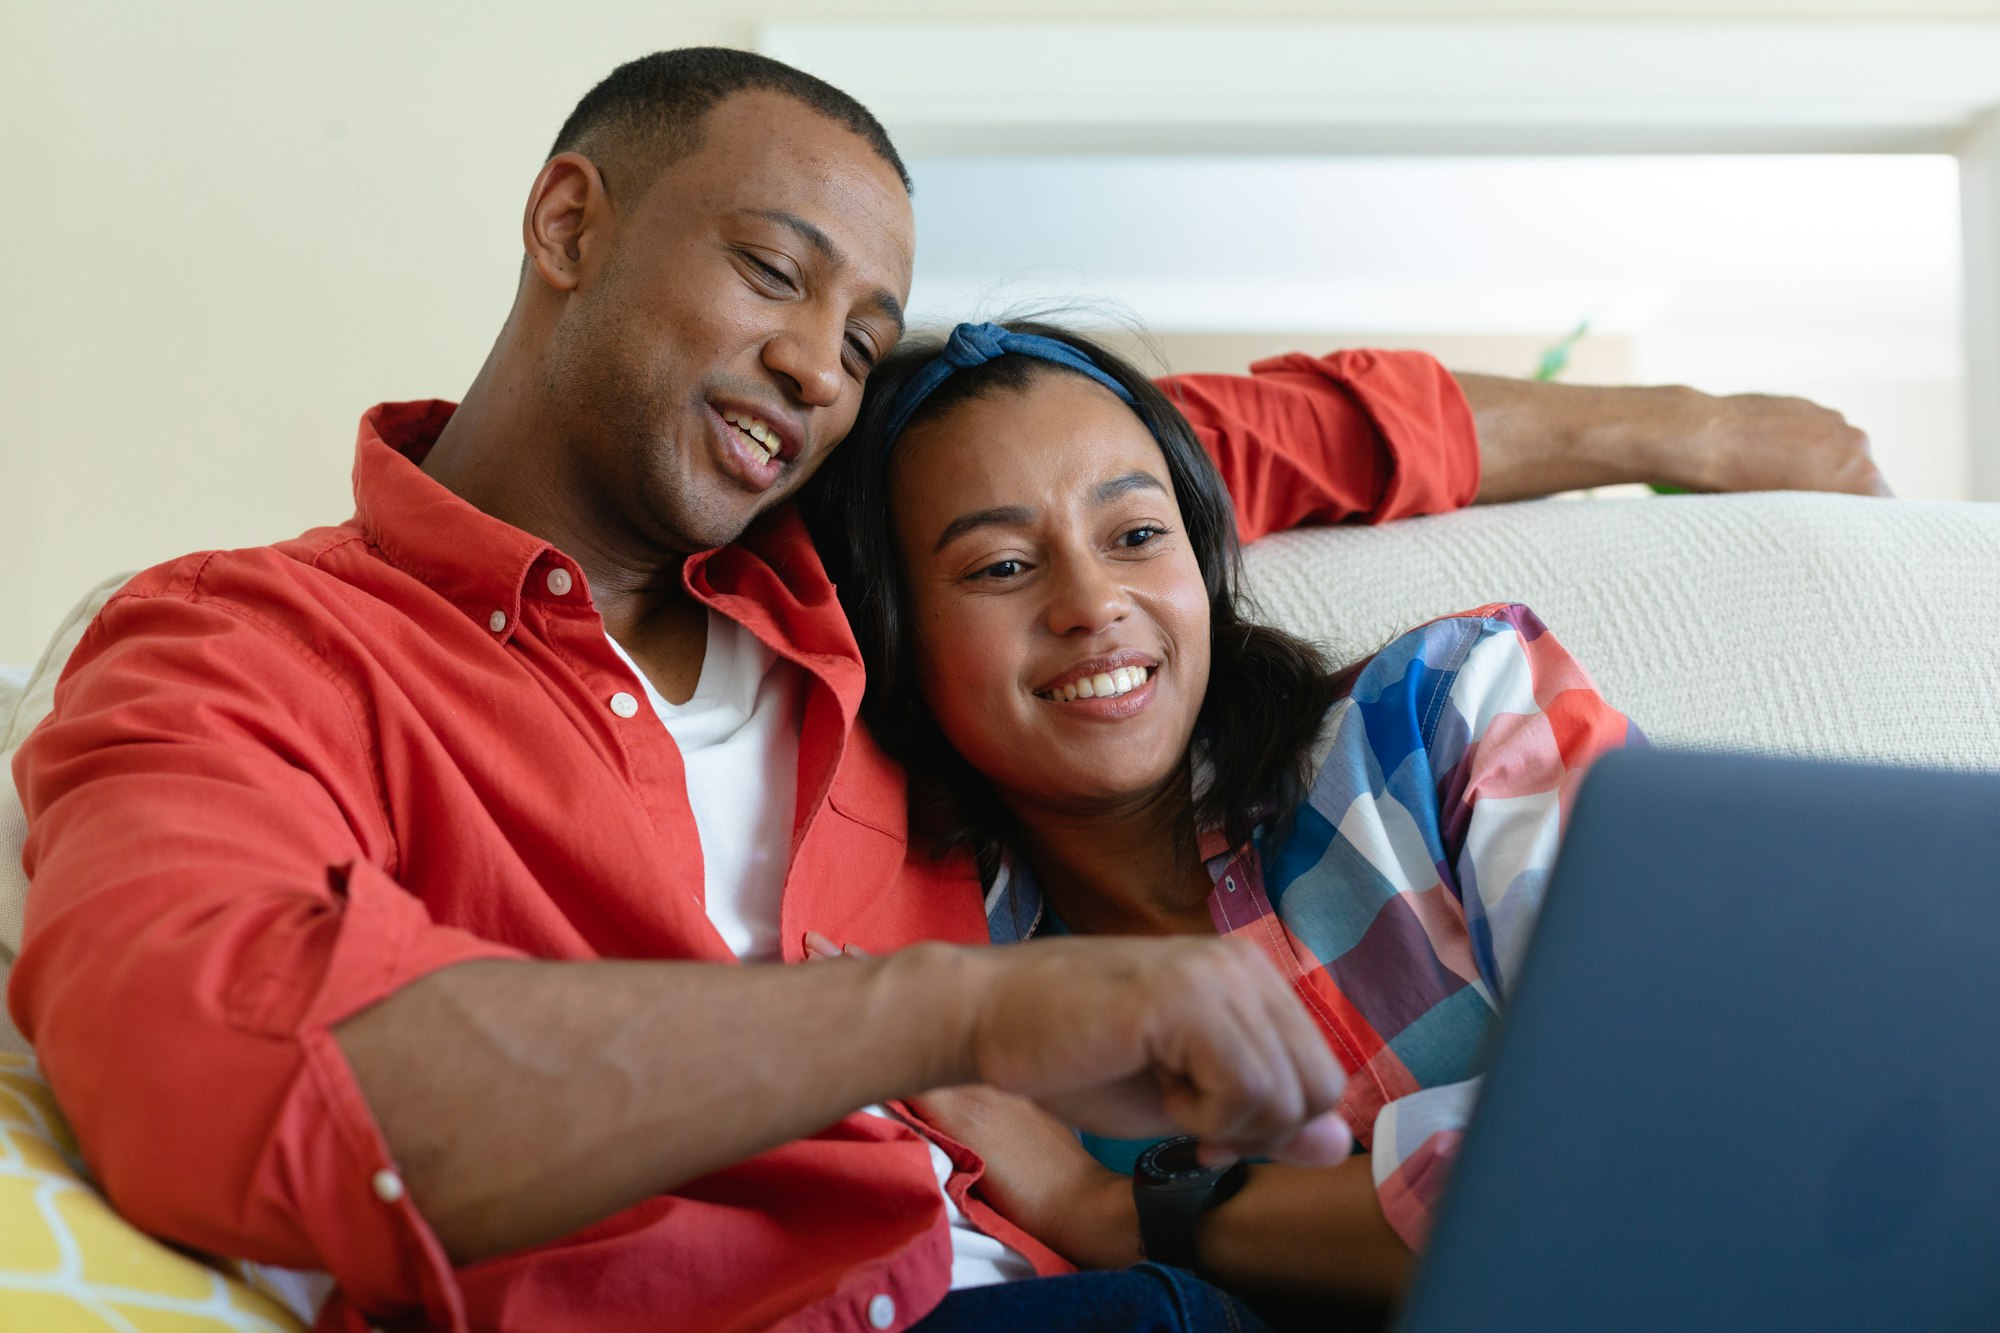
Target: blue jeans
1150,1298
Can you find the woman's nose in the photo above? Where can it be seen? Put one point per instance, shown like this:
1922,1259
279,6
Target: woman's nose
1085,599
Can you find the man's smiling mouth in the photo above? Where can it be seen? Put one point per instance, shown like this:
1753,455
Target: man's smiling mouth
756,432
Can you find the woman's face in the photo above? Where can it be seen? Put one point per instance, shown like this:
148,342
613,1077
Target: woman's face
1060,617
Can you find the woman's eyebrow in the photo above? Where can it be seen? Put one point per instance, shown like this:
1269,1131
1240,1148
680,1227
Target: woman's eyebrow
1000,516
1016,516
1125,485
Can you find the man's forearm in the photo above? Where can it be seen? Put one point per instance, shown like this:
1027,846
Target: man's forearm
1538,438
525,1100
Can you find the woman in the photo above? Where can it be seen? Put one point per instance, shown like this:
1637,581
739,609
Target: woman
1041,568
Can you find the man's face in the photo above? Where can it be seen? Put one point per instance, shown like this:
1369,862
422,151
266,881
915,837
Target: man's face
720,350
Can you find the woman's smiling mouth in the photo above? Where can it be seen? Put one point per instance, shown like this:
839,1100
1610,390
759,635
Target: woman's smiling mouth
1102,685
1114,685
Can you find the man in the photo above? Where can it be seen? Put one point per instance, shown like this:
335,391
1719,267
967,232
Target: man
381,927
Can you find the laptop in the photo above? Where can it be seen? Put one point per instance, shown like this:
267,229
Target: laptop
1750,1077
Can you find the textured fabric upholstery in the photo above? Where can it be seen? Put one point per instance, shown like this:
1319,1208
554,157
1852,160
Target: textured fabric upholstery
1809,625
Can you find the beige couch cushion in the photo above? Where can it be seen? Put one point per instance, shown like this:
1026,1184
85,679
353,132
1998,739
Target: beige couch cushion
1811,625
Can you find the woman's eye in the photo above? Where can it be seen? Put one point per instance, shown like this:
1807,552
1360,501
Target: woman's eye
864,355
1140,536
999,569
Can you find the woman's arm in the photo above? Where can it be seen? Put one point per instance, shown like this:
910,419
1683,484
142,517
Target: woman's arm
1311,1232
1290,1231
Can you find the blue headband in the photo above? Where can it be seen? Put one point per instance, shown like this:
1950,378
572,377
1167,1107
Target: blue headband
974,345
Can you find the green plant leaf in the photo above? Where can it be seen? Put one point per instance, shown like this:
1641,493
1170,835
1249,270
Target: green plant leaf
1555,360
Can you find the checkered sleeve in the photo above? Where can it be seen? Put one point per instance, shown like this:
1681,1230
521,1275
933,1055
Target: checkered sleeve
1507,743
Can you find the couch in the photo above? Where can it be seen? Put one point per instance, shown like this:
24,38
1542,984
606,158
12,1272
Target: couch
1807,625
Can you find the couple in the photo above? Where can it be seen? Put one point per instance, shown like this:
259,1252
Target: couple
392,884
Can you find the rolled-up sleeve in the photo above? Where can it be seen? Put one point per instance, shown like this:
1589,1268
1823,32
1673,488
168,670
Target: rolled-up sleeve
213,889
1354,436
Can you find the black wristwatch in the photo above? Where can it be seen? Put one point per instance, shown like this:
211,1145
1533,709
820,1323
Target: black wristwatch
1173,1190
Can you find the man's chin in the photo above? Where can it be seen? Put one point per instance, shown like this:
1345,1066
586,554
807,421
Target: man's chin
715,524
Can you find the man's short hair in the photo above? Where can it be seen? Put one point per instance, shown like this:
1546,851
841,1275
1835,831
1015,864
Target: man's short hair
650,110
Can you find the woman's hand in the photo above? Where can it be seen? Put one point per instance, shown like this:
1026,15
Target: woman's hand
1039,1176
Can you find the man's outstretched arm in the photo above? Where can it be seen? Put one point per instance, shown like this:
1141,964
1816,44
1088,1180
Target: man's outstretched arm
1536,439
626,1079
1371,436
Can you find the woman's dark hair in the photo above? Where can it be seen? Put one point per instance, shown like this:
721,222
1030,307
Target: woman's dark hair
1267,690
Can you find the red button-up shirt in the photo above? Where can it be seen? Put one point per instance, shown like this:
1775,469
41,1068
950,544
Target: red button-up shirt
281,783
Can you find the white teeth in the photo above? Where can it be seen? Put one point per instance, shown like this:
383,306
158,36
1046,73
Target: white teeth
1104,685
758,430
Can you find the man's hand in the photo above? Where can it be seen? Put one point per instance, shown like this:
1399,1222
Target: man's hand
1760,442
1536,439
1136,1037
1132,1037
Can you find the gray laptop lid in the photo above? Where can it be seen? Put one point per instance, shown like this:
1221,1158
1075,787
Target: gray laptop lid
1751,1076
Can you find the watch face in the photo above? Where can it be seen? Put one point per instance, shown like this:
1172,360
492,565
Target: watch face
1175,1160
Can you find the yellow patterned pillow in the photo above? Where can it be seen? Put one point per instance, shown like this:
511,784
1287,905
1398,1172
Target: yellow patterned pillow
69,1264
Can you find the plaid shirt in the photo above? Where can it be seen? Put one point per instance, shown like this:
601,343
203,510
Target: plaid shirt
1400,898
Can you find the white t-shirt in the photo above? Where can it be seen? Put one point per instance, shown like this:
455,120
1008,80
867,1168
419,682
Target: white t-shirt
739,740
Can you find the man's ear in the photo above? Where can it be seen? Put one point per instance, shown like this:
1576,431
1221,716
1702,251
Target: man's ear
568,215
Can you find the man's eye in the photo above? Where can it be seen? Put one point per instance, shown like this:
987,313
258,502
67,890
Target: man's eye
768,271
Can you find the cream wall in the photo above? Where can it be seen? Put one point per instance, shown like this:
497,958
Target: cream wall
233,225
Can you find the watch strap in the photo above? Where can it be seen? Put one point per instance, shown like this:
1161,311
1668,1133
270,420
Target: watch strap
1169,1218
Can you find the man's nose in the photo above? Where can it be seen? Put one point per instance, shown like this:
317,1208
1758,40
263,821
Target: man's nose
810,360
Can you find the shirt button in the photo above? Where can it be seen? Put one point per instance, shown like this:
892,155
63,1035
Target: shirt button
624,704
388,1186
497,621
1230,883
559,581
882,1311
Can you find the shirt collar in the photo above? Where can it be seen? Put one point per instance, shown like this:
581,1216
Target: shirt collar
1016,909
770,581
1014,905
479,563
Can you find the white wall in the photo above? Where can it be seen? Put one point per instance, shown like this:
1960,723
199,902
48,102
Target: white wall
231,226
1830,277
